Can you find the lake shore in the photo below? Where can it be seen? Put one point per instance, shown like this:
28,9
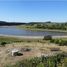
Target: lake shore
31,37
36,29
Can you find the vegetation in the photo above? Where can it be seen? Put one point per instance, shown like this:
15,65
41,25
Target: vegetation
14,39
59,26
3,43
48,38
59,60
7,40
61,42
45,26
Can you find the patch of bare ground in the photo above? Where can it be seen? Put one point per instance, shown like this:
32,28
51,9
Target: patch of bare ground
37,49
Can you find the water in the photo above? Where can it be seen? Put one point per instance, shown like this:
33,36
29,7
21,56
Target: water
22,32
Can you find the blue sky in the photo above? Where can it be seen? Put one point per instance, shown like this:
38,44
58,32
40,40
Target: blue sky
28,11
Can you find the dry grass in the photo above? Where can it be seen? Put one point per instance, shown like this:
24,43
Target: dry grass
37,50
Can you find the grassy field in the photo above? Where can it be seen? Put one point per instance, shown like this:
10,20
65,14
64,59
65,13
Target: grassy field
55,61
19,39
38,48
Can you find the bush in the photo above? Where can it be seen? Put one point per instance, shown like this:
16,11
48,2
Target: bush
48,37
56,41
63,43
59,41
3,43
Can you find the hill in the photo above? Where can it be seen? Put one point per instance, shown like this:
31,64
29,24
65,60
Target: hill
4,23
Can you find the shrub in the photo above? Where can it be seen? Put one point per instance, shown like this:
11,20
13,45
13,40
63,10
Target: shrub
56,41
63,43
59,41
52,61
48,37
52,40
3,43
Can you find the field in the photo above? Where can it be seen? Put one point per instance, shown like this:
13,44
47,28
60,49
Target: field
38,47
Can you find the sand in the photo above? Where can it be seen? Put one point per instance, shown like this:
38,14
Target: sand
31,37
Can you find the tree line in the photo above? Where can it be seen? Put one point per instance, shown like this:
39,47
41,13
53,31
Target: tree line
49,25
57,26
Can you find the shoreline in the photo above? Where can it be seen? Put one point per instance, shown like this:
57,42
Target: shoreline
31,37
35,29
26,37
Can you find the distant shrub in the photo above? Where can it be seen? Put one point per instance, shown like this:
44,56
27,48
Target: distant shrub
56,41
28,41
48,37
59,41
3,43
63,43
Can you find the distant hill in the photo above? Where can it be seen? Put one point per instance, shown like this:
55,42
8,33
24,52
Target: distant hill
4,23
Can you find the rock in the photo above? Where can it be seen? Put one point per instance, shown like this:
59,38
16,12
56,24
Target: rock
25,49
16,52
55,49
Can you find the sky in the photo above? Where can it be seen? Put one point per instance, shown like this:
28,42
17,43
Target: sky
33,11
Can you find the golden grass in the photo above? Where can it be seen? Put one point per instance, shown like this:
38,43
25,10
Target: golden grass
38,49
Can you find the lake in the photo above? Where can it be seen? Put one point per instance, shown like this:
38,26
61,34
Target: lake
22,32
